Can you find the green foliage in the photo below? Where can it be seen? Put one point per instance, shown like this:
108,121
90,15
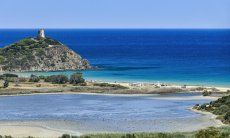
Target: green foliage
76,78
5,84
40,52
223,132
42,77
65,136
110,85
8,75
5,136
34,78
52,41
219,107
2,59
21,53
227,117
221,110
59,79
208,133
206,93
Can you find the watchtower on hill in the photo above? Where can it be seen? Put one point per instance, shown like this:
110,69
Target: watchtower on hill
41,33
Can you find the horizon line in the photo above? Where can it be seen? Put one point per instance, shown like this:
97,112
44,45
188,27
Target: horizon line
117,28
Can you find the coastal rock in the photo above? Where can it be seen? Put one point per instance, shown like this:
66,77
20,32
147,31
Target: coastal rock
40,54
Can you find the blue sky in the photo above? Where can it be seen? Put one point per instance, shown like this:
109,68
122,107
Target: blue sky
115,13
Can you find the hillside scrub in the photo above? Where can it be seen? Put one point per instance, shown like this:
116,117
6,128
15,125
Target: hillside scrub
220,107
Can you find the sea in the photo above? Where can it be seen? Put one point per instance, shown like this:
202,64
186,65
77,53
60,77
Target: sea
177,56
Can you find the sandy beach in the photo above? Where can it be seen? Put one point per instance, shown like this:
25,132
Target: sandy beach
129,88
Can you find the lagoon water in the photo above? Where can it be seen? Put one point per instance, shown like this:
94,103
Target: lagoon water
176,56
104,113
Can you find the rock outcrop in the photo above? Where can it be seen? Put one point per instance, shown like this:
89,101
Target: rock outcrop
40,54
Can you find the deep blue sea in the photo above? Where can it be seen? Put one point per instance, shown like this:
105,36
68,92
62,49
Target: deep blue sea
199,57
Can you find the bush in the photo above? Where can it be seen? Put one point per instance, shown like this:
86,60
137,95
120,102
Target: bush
116,86
76,78
206,93
59,79
8,75
2,59
208,133
42,77
34,78
65,136
5,84
221,110
227,117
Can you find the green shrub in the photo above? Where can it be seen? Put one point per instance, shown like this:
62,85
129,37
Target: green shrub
58,79
227,117
2,59
76,78
208,133
42,77
8,75
65,136
206,93
5,84
117,86
221,110
34,78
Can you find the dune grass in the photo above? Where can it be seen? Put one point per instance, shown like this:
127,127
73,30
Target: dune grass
222,132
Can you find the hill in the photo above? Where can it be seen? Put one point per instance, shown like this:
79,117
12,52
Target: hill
40,54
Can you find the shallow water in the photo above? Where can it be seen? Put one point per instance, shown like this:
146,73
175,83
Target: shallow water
102,113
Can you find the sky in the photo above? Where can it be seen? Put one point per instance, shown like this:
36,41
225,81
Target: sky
114,13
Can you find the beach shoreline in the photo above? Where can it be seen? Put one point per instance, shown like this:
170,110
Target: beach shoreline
43,129
30,88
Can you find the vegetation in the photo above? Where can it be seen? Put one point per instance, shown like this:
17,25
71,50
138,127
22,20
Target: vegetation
206,93
208,133
5,84
58,79
76,78
34,78
117,86
21,53
220,107
228,91
223,132
204,133
9,77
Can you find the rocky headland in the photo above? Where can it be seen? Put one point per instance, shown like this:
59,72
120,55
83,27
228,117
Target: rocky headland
40,54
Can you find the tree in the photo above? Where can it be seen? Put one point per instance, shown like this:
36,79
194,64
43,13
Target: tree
76,78
59,79
34,78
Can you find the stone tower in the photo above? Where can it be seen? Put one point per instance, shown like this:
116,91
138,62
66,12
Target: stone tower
41,33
